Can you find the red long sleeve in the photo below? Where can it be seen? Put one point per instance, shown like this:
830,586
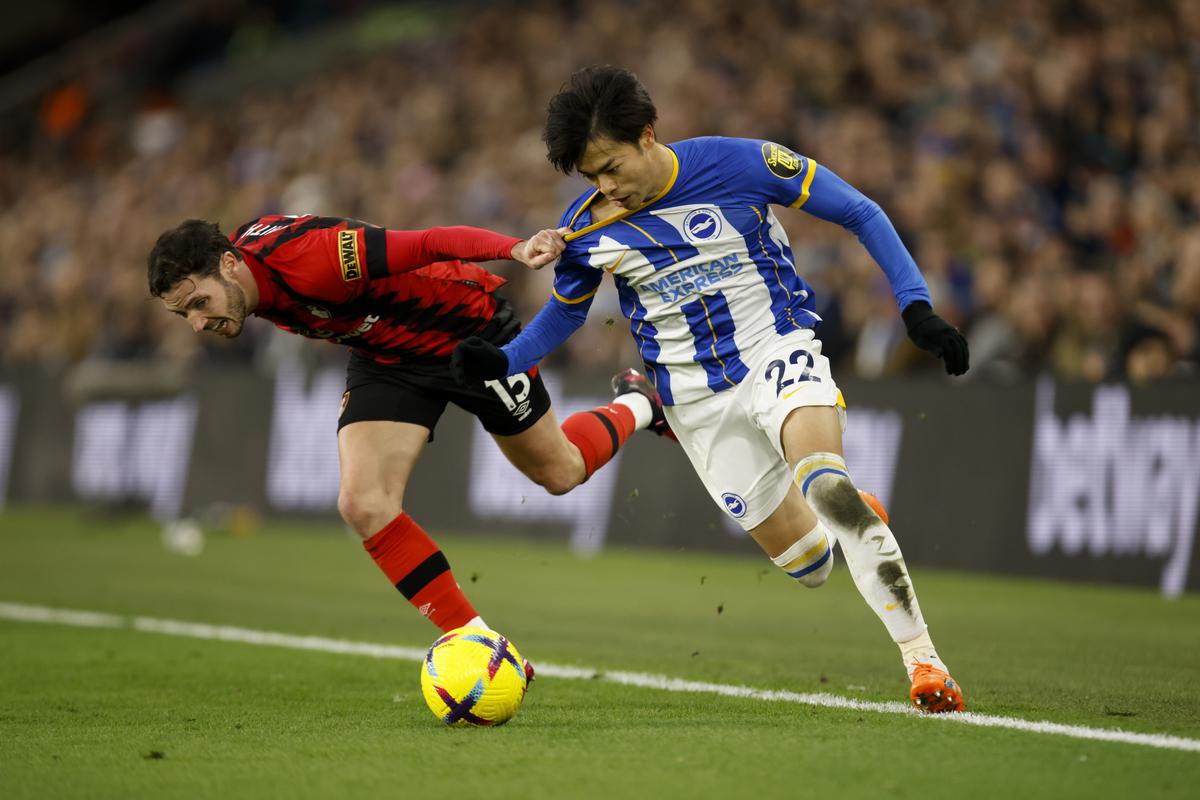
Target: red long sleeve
409,250
346,281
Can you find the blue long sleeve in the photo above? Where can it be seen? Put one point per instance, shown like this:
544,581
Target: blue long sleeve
834,200
552,326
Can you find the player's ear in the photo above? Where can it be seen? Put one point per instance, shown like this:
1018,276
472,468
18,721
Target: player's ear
646,140
228,264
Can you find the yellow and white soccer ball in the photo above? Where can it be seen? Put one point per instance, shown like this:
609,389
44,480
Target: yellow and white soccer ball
473,676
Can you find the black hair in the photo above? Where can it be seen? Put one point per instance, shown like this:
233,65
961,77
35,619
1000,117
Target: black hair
194,247
597,101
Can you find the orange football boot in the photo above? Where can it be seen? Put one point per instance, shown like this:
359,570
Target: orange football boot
875,505
934,691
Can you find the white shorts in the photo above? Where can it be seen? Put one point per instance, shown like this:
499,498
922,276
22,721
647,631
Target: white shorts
733,437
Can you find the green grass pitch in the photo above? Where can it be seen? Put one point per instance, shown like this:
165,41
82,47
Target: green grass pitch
98,713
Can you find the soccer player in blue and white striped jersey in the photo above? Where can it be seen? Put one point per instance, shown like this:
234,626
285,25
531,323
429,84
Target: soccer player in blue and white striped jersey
725,328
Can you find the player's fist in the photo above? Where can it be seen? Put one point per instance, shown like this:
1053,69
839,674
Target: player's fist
475,360
934,335
543,248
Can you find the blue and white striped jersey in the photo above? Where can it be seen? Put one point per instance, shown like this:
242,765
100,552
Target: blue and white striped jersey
704,271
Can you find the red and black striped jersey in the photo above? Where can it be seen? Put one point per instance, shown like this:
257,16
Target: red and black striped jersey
399,297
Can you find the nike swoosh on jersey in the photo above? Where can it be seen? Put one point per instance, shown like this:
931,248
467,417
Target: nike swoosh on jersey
617,263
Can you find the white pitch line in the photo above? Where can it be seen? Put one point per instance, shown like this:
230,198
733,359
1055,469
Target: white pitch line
228,633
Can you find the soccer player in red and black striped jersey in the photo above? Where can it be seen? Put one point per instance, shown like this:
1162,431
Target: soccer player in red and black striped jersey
402,301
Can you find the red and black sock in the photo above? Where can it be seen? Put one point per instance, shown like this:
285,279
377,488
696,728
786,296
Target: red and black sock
599,433
415,565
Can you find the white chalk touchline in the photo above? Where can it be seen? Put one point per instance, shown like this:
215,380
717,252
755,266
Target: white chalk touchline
228,633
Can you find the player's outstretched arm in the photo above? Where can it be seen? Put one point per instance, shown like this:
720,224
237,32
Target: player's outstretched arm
409,250
835,200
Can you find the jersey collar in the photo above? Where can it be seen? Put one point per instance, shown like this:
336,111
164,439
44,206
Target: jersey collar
629,211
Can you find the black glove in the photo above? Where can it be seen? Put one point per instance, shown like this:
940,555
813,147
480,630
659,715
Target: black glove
934,335
475,360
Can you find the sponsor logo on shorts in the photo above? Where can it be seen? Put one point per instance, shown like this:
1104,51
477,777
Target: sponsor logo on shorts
782,162
702,225
348,255
345,401
734,504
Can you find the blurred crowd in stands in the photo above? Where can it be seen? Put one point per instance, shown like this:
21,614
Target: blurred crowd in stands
1041,160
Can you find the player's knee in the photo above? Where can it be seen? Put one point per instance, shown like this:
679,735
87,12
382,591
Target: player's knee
367,510
558,474
554,482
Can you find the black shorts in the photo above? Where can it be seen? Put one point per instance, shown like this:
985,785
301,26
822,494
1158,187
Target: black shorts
389,392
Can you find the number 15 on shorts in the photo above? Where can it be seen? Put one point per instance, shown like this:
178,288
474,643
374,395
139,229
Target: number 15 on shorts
513,391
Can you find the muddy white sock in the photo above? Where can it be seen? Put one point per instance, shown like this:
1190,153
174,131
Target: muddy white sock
871,552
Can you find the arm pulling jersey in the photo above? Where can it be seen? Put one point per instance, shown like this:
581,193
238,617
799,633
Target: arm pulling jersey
704,271
399,297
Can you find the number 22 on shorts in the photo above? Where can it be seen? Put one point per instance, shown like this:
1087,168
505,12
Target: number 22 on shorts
778,370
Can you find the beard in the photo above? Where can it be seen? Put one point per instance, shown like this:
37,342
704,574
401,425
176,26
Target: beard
235,303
